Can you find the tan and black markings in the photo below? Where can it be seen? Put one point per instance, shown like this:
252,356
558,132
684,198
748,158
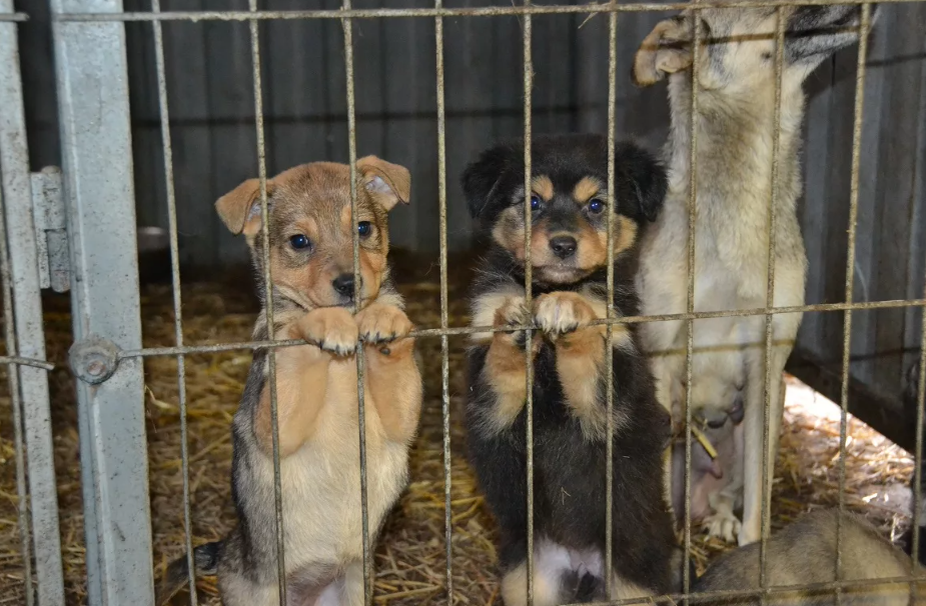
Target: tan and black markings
310,233
569,212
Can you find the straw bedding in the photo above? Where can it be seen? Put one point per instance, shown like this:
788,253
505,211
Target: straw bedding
410,557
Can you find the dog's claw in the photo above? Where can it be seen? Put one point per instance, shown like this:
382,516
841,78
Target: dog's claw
332,329
560,313
723,525
382,324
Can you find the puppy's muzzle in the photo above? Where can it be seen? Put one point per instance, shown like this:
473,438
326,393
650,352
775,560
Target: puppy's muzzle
344,285
563,246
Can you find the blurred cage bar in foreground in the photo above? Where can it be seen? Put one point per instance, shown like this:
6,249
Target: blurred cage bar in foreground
92,79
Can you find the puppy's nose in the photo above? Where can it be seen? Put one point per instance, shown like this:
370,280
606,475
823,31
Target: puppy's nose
344,285
563,246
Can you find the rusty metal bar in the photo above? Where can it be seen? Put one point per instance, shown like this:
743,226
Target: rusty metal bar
487,11
689,342
609,306
16,403
268,299
864,23
768,461
526,40
27,362
177,299
468,330
347,24
444,321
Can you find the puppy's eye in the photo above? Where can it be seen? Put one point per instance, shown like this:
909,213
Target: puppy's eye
595,206
300,242
364,229
536,202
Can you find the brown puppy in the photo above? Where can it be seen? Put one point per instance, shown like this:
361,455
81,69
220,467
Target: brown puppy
310,231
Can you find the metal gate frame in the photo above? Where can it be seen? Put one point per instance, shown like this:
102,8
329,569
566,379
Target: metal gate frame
25,338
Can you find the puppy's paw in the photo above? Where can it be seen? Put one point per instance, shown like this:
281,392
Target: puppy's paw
332,329
380,323
723,525
559,313
513,312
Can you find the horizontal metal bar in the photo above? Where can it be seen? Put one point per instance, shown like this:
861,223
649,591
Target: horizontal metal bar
467,330
487,11
19,17
27,362
703,596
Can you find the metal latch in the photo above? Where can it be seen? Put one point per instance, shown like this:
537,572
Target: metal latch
51,229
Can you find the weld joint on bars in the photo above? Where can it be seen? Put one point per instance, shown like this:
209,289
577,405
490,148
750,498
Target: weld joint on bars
34,362
490,11
469,330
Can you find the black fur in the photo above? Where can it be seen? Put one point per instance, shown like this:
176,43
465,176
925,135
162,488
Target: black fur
569,469
205,560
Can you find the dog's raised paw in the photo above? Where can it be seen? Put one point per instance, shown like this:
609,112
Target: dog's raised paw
559,313
332,329
380,323
723,525
513,312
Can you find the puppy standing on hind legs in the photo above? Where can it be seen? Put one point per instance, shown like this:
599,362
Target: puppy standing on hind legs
310,232
570,215
735,133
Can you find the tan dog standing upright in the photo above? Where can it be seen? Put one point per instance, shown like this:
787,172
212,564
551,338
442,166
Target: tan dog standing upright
310,232
735,133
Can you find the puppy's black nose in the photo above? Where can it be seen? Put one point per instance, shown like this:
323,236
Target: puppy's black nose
344,285
563,246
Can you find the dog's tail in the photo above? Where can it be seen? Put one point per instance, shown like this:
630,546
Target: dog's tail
206,561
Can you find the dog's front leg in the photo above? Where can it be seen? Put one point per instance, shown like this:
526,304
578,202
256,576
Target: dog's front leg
753,470
302,377
393,378
566,318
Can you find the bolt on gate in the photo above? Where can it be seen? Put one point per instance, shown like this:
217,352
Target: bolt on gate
74,229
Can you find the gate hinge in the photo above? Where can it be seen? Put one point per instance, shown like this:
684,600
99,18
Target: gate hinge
51,229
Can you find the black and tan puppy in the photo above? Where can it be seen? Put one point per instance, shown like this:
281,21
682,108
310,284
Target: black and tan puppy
570,212
311,259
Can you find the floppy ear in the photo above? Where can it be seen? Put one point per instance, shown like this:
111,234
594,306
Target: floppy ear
239,209
642,182
388,183
664,51
815,32
481,178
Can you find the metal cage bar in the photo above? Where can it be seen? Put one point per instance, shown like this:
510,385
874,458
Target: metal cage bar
487,11
31,382
92,84
177,295
444,311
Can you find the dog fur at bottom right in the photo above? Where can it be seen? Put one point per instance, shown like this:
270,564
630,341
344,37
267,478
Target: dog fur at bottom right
804,553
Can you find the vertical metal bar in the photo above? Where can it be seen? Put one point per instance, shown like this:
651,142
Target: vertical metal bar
445,353
27,322
528,296
609,348
268,297
864,23
175,280
347,24
92,80
692,217
22,504
768,461
918,455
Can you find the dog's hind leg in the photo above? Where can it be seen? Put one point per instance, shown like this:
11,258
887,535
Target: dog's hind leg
753,470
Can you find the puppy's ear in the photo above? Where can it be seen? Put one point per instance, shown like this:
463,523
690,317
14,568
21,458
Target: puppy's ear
481,178
388,183
239,209
664,51
642,182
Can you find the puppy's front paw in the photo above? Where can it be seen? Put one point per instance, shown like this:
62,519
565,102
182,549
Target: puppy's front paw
380,323
724,525
559,313
513,312
332,329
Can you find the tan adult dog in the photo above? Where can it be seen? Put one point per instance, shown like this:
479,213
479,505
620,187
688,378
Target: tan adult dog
735,133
